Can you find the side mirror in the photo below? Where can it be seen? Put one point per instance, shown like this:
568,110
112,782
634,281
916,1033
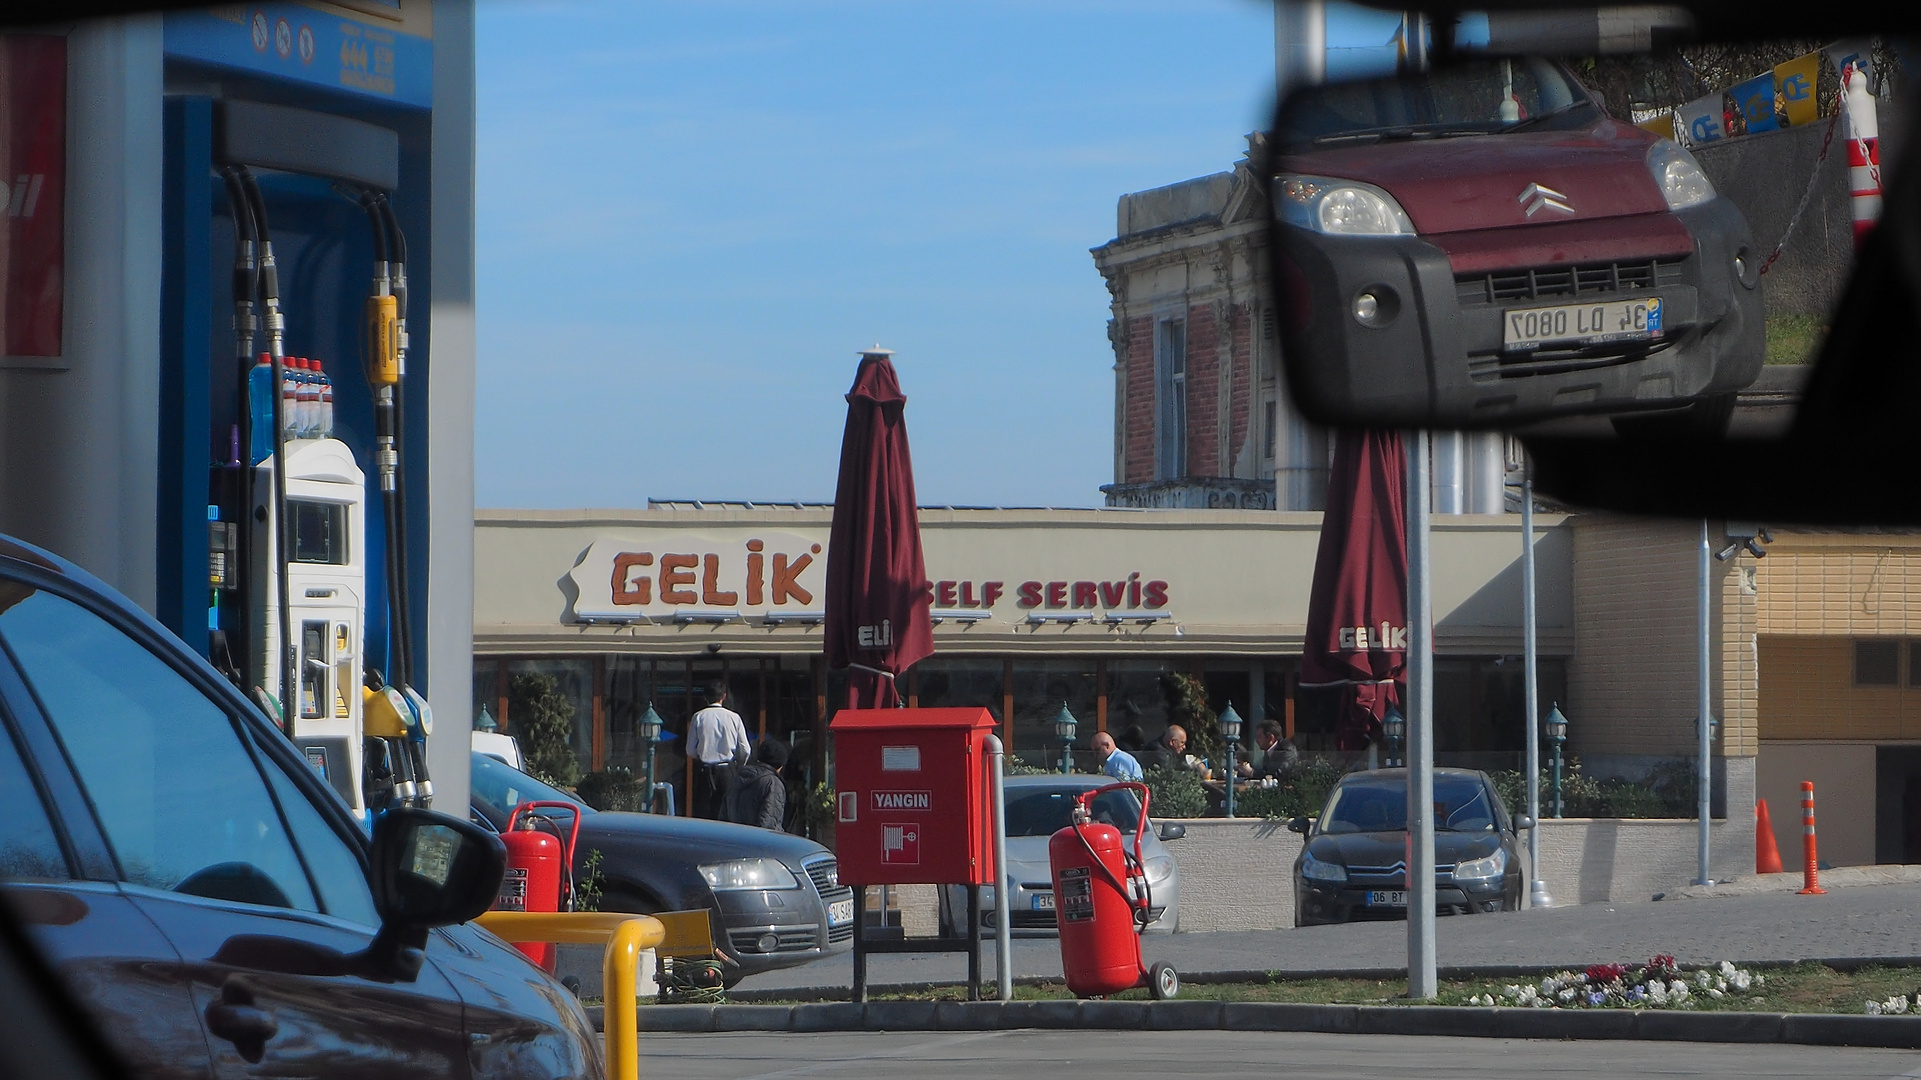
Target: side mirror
1171,830
1300,825
428,870
1522,821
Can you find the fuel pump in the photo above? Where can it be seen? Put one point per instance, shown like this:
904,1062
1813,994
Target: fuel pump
300,540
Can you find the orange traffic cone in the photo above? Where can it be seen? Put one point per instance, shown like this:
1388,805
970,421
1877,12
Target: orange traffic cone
1767,858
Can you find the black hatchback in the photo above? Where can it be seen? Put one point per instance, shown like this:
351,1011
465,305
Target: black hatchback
209,900
1353,863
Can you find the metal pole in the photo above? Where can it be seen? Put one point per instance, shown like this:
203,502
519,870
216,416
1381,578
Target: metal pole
1421,978
1705,775
1231,746
1537,896
1003,920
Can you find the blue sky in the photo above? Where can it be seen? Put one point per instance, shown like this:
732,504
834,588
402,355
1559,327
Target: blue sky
692,215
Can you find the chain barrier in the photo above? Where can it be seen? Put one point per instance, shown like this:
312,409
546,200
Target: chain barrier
1827,141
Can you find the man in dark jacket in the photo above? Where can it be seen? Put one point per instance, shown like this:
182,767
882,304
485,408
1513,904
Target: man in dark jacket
757,796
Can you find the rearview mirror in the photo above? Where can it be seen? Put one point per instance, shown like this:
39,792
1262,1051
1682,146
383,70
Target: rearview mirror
1171,830
1299,825
1538,235
1522,821
427,870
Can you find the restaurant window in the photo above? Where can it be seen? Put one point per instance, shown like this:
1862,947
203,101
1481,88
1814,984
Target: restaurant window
1040,687
487,690
1480,716
1170,391
1877,663
961,683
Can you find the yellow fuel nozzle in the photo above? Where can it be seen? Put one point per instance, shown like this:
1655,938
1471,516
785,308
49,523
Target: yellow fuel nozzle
381,345
381,713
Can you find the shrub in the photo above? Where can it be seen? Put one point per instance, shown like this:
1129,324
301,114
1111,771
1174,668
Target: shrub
1175,793
543,718
1667,792
1302,794
611,789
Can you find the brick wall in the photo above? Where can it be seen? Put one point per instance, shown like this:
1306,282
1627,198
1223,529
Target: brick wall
1243,458
1138,410
1203,401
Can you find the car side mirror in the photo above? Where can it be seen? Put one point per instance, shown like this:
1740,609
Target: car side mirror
1171,830
427,870
1522,821
1300,825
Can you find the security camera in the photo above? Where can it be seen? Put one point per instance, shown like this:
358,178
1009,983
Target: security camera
1727,553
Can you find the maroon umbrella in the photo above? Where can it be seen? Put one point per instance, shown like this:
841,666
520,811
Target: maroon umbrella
878,597
1356,646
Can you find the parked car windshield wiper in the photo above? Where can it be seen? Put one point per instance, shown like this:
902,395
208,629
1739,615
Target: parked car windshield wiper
1399,132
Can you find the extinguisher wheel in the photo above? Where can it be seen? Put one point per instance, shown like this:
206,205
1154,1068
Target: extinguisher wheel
1163,981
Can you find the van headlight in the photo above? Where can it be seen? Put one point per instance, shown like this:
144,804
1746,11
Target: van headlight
1339,207
1679,176
1485,869
1315,870
743,874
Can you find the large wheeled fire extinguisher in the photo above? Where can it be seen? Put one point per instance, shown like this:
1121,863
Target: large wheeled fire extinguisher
539,869
1101,902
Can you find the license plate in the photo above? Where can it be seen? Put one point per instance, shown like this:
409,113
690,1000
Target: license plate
840,911
1044,901
1395,898
1583,324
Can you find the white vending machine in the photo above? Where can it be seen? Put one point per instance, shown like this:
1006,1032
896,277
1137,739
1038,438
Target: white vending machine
327,604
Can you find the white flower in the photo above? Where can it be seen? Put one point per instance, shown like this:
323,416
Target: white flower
1566,995
1716,994
1720,985
1727,969
1760,980
1741,981
1873,1008
1702,979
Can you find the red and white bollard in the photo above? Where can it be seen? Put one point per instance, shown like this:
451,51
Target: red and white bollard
1811,873
1864,152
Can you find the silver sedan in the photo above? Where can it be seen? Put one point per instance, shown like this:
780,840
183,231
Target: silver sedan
1037,808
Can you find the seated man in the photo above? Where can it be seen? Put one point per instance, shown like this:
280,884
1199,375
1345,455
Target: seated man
1173,742
1274,756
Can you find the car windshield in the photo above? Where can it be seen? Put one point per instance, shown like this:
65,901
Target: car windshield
1470,99
1044,813
1380,805
501,787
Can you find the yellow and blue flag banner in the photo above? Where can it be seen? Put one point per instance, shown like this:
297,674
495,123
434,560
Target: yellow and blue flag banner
1754,100
1794,83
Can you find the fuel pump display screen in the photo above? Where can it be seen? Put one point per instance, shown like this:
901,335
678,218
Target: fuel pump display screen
319,531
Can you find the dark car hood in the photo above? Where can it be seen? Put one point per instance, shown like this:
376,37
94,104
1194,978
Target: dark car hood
1476,182
710,840
1389,848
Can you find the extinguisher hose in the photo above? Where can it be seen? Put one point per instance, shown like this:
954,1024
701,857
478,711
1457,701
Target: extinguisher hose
1133,862
245,282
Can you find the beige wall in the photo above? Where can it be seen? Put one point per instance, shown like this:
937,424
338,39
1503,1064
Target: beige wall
1635,671
1844,797
1239,580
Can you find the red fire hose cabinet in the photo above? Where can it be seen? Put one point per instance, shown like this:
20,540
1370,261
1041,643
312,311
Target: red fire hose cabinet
911,803
912,807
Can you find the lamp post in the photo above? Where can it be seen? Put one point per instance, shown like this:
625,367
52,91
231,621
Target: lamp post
1064,725
1556,735
1231,732
485,721
1394,726
649,735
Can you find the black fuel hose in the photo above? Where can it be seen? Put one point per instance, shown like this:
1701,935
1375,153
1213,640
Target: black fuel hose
269,286
245,281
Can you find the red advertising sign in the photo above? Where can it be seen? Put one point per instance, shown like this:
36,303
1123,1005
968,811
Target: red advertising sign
33,188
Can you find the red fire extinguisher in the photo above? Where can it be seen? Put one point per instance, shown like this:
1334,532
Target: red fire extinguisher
1101,900
539,869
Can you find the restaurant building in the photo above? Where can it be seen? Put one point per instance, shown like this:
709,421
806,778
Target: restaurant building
1032,609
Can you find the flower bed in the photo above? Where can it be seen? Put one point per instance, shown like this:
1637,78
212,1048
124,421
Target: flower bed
1658,984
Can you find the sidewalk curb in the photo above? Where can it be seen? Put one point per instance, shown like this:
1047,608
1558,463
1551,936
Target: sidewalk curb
1897,1032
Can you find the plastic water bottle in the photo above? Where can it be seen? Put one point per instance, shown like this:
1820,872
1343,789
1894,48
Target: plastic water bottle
309,399
289,400
260,411
326,428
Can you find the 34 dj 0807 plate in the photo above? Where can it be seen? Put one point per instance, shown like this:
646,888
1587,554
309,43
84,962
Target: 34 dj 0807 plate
1583,324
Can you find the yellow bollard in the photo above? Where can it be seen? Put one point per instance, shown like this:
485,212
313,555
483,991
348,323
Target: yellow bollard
624,938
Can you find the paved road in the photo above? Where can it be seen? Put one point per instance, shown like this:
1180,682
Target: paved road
1049,1055
1873,922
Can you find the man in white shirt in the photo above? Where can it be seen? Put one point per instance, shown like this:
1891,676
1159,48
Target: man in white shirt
716,738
